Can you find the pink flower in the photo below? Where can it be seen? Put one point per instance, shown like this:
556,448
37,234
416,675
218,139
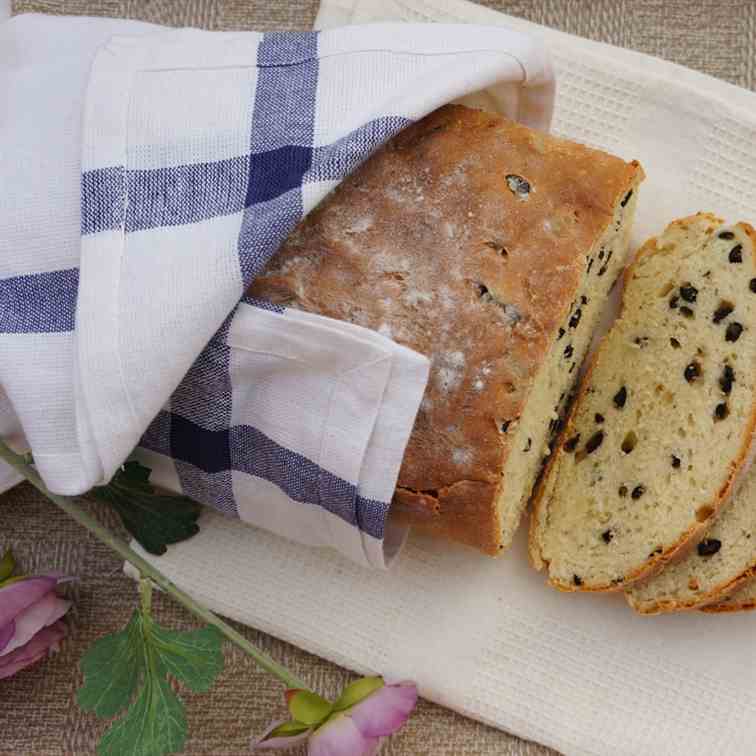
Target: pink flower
366,711
30,621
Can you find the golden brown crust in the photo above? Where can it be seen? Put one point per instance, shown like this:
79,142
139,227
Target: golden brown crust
702,604
731,603
746,606
428,244
693,534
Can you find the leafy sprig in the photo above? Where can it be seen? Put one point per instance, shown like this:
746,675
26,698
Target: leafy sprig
129,670
156,520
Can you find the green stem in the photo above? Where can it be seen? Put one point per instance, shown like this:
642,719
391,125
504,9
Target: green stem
69,506
145,595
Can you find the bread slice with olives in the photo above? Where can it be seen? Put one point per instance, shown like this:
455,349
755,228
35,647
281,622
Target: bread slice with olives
665,415
742,599
724,560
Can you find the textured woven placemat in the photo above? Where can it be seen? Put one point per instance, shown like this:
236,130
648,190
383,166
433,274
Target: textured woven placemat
716,37
38,714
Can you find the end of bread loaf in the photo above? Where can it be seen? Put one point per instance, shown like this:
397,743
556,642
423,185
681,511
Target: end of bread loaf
673,383
489,248
552,387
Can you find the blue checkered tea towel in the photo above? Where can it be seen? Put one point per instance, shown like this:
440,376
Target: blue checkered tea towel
148,176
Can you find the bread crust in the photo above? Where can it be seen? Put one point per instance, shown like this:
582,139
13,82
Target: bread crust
731,603
745,606
711,597
404,245
688,540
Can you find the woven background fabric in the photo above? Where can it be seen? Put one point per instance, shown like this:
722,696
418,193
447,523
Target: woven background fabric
39,715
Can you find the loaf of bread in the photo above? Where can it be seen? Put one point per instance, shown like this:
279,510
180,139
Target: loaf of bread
665,415
742,599
722,561
491,249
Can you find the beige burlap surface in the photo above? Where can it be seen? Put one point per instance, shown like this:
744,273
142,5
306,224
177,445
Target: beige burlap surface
38,713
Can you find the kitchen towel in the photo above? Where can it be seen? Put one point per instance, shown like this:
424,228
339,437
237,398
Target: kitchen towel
485,637
148,187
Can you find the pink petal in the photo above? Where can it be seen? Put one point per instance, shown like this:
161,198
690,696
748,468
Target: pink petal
386,710
374,749
45,640
14,598
278,743
27,661
340,737
29,622
6,633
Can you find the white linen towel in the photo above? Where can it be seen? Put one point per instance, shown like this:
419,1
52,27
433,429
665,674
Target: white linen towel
152,175
486,637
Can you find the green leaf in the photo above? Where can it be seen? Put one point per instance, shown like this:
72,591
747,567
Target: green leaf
155,724
136,662
112,667
7,565
309,708
137,474
357,691
195,658
288,730
156,520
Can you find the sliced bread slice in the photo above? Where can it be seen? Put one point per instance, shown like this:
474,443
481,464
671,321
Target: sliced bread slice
665,414
722,561
743,599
